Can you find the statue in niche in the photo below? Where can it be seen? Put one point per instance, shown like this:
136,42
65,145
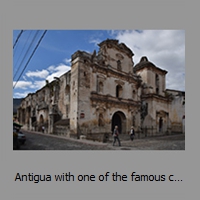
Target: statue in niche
101,120
144,110
100,109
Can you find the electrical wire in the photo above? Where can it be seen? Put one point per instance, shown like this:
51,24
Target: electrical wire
18,38
23,46
26,53
30,57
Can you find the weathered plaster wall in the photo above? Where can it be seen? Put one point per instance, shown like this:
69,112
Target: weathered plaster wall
74,96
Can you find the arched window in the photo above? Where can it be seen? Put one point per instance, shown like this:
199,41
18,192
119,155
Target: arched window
67,92
119,91
133,94
67,89
119,67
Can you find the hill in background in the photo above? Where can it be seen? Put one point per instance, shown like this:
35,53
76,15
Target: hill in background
16,104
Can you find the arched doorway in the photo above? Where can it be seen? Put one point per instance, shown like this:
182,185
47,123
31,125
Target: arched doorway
41,122
160,124
119,119
162,120
41,119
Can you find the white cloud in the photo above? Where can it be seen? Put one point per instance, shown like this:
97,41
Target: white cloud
62,68
38,84
28,86
59,70
22,84
43,74
165,48
39,74
67,61
20,94
51,68
95,41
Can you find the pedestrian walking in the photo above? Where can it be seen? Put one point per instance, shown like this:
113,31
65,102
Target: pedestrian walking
116,136
132,133
43,128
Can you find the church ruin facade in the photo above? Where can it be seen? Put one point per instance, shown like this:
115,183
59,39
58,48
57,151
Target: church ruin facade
102,90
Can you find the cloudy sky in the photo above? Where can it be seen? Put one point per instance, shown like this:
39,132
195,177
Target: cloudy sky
165,48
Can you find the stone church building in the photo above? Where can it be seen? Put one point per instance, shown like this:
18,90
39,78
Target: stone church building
102,90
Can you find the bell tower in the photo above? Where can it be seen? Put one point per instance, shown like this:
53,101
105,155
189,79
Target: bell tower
152,76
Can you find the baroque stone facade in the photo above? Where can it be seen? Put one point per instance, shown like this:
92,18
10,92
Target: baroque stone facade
102,90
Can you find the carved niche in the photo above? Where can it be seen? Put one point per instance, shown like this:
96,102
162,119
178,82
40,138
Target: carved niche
119,67
100,112
100,83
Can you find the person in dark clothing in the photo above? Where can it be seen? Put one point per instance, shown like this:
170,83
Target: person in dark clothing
132,133
43,128
116,136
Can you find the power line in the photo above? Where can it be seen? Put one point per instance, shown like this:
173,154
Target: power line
21,53
26,53
30,57
17,38
18,46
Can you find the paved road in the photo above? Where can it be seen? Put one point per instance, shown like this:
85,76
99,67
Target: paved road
39,141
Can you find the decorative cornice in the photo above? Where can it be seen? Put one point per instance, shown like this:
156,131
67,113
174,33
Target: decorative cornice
95,97
155,96
109,71
119,82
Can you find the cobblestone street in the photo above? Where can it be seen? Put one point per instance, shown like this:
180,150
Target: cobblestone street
40,141
173,142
